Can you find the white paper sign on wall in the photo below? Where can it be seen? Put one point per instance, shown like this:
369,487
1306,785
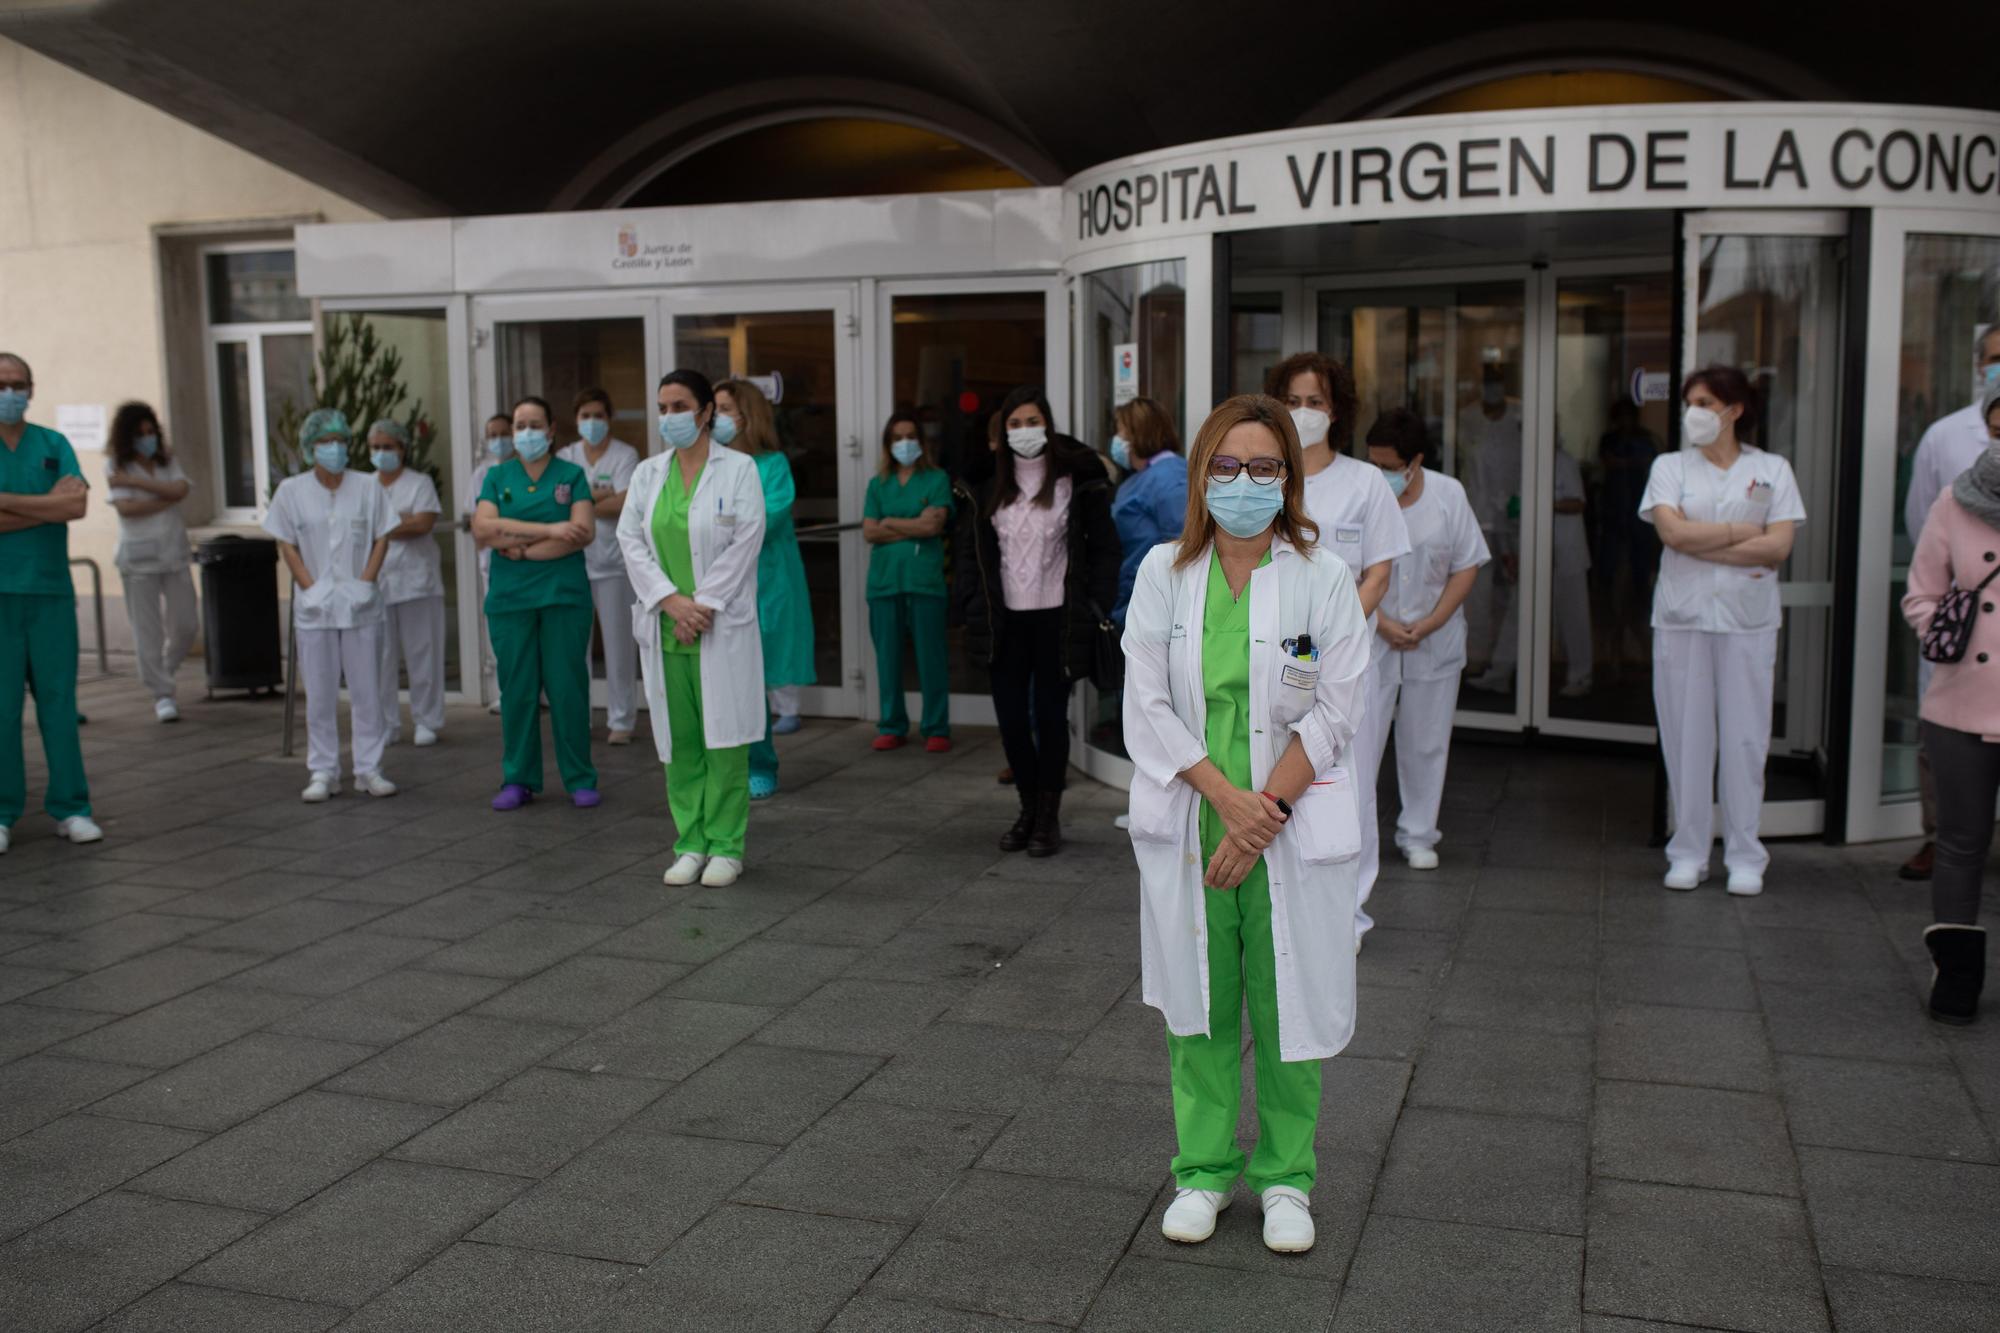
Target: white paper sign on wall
1651,386
82,424
1124,373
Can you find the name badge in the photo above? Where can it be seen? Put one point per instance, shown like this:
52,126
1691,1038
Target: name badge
1347,534
1298,679
1759,493
1177,632
562,493
726,520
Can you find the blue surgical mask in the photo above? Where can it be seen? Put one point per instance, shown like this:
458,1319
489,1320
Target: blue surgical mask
499,446
906,452
1121,452
531,444
594,430
1399,481
147,445
679,429
386,460
723,429
1242,507
331,455
13,406
1989,377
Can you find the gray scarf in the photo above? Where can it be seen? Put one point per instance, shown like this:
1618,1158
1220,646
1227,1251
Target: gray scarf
1978,488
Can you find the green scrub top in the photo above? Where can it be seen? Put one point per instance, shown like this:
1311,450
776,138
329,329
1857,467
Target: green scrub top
784,605
36,560
670,539
527,585
915,567
1225,685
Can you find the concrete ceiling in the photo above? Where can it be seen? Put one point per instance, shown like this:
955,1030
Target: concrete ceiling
485,106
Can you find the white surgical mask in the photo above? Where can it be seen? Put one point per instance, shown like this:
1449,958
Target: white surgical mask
1312,425
1028,441
1700,426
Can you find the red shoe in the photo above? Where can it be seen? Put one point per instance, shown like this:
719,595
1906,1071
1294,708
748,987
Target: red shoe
937,744
888,742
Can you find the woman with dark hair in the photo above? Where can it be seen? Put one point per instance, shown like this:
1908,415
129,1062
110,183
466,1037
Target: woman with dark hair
1726,512
903,519
1037,572
536,512
146,487
692,532
1151,504
1243,815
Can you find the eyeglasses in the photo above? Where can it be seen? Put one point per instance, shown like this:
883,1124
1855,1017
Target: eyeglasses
1263,471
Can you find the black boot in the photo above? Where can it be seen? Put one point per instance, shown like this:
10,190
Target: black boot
1015,838
1960,955
1047,837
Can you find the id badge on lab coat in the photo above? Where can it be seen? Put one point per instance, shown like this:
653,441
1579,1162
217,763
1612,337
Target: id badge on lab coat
1327,820
1298,681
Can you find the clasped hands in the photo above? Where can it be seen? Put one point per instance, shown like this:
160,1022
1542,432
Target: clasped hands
1252,821
691,619
1400,637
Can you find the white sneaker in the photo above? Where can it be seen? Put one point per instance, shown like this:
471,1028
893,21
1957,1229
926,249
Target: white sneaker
425,736
1190,1217
1494,680
686,870
374,784
494,708
322,786
1685,875
1121,821
5,838
721,872
164,710
1577,689
1420,858
1288,1220
1746,883
79,828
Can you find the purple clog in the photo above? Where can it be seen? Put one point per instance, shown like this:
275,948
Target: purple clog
512,797
585,798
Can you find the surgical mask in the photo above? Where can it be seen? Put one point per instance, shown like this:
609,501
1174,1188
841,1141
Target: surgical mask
386,460
1312,425
499,446
594,430
1700,425
1028,441
906,452
723,429
13,406
147,445
1493,393
1121,452
331,456
1399,481
1243,507
531,444
679,429
1988,378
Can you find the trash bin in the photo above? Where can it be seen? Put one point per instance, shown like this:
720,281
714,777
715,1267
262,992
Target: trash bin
239,613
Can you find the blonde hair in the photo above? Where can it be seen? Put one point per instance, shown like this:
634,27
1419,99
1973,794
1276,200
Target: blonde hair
1246,409
760,424
1147,428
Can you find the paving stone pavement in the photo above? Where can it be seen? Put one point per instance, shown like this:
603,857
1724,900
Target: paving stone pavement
408,1064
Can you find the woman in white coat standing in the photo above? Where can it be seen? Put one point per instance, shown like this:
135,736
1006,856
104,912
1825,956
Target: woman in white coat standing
691,530
1246,649
412,582
610,464
1726,513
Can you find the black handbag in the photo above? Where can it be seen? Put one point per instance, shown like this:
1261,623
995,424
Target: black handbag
1107,652
1950,630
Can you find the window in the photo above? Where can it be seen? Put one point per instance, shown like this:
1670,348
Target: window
259,341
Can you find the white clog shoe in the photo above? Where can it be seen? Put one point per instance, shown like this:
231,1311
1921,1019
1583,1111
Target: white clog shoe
1190,1217
686,870
1288,1220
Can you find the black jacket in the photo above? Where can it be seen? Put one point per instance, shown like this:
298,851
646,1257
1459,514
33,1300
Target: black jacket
1094,554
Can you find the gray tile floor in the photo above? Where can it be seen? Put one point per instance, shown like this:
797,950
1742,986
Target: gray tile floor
409,1064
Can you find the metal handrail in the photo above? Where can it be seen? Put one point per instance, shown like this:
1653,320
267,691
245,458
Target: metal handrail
97,599
825,531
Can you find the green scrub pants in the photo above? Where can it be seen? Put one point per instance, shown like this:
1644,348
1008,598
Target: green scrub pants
708,791
38,652
542,651
920,618
1208,1072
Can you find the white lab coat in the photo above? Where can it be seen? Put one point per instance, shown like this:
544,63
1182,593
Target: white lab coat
1313,863
725,533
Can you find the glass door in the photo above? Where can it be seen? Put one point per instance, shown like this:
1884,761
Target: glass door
798,346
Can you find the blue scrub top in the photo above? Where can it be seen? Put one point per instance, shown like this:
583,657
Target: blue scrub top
1150,508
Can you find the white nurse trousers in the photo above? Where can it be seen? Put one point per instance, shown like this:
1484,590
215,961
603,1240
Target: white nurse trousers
413,632
1705,685
325,655
1422,710
161,643
613,597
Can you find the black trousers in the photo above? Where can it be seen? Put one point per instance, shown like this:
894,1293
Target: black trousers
1031,698
1968,777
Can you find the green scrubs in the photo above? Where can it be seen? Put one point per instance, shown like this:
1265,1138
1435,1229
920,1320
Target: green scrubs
1242,967
708,791
784,607
539,613
906,599
38,635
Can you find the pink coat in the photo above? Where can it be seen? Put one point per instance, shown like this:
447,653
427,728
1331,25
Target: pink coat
1958,548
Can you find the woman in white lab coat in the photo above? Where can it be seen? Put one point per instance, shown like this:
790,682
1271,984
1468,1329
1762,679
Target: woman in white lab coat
146,488
1726,512
412,582
1419,646
691,530
1246,648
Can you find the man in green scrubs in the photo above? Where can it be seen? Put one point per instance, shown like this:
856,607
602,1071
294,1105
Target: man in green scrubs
708,791
1242,966
906,598
42,492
